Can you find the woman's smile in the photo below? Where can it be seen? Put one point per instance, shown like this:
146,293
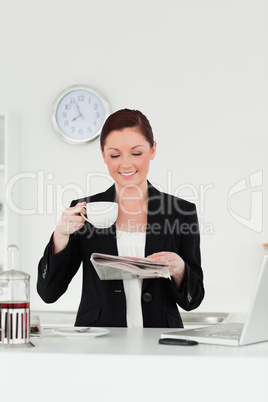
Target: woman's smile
128,175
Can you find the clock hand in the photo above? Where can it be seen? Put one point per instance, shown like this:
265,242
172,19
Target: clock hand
75,118
80,114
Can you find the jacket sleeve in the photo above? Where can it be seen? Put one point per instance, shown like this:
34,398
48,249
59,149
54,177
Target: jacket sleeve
191,292
55,271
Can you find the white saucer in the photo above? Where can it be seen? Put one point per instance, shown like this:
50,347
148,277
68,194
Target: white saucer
73,332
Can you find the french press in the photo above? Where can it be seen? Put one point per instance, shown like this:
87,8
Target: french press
14,305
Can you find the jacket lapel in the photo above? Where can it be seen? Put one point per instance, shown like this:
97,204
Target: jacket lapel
107,237
155,235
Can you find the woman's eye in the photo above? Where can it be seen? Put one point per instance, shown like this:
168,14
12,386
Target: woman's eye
134,154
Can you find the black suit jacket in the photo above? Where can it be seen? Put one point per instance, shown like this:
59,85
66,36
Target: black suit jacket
172,225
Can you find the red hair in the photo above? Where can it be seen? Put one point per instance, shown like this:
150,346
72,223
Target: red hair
127,118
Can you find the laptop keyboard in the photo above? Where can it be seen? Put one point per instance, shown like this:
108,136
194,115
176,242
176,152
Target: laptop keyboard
219,332
230,334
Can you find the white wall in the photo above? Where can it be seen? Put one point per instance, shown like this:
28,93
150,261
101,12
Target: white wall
197,69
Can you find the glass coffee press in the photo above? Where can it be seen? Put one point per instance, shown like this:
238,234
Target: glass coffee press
14,305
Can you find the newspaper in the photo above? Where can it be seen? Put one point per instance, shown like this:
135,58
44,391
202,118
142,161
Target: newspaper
111,267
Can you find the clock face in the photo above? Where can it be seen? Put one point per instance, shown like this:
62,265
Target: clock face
79,114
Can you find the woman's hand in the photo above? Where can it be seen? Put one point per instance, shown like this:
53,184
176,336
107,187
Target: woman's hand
70,221
176,264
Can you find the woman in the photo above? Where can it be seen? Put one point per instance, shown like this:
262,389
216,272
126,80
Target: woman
149,224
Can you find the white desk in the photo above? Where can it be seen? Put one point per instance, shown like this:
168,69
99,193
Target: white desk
131,360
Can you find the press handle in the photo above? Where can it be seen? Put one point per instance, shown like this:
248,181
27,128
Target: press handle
12,248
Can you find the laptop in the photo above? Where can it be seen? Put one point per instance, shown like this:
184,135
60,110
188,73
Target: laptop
255,328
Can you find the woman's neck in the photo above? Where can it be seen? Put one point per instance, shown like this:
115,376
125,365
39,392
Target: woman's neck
132,194
133,208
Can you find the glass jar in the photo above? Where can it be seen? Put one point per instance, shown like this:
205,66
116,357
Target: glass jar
14,307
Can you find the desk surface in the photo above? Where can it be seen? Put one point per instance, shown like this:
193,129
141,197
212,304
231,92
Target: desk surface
122,341
130,361
131,341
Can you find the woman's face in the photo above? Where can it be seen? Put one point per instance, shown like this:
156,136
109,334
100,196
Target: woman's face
127,154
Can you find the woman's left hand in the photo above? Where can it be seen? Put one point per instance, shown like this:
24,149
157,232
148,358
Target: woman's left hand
176,264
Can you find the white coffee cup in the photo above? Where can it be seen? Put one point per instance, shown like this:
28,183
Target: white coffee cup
101,214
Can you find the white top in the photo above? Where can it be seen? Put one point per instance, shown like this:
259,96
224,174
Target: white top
132,244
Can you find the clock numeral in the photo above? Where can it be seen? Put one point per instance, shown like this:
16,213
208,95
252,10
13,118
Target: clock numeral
73,129
81,98
64,114
72,100
66,123
68,107
80,131
89,100
95,106
94,123
97,115
89,130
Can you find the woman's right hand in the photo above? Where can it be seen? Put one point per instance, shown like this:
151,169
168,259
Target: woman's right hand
70,221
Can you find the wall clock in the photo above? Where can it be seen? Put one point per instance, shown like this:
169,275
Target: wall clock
79,113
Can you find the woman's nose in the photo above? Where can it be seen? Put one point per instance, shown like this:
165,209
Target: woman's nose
126,161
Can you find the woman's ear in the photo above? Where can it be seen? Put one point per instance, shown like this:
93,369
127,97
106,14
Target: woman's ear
103,156
153,151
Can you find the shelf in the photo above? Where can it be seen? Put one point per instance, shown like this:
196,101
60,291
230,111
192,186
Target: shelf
9,165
